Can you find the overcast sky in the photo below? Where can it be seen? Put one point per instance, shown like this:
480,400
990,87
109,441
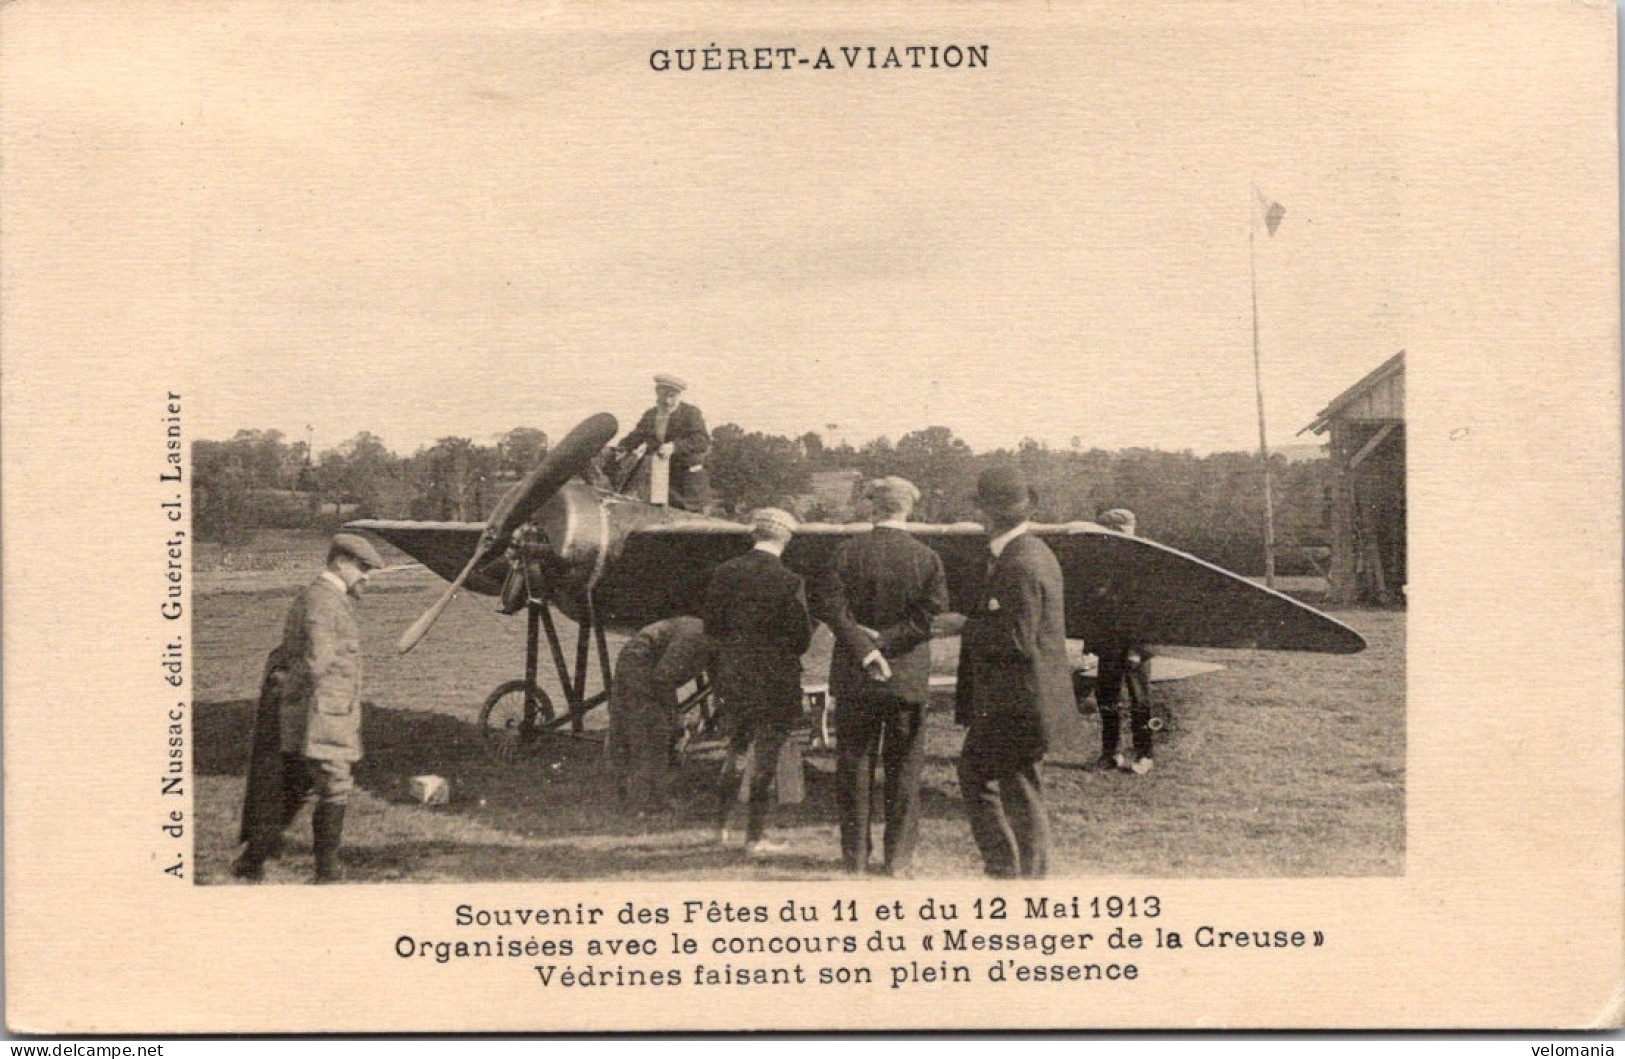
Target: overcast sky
422,232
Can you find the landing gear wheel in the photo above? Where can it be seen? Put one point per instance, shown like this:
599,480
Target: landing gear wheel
503,723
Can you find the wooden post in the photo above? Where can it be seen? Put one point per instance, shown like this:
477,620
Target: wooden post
1263,444
1341,578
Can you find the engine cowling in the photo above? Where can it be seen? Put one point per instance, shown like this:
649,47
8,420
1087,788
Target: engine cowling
574,538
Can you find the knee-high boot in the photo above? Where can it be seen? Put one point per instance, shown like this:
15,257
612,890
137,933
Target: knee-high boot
295,786
327,829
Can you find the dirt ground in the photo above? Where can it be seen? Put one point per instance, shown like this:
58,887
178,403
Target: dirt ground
1280,765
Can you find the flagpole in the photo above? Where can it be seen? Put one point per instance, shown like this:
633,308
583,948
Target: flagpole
1263,444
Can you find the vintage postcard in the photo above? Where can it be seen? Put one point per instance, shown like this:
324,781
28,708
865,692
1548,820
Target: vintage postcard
817,516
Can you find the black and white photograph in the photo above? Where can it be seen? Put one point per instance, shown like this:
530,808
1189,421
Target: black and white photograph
641,674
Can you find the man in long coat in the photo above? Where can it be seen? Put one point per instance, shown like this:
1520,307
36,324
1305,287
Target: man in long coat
1015,683
675,429
307,729
878,596
756,611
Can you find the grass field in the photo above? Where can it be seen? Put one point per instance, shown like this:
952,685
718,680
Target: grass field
1280,765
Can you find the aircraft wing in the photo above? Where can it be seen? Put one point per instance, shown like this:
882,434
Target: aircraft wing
1149,593
1128,586
441,546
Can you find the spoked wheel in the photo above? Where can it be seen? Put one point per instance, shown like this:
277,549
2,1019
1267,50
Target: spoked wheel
504,724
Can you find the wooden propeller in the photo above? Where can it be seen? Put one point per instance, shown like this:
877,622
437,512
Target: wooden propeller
563,462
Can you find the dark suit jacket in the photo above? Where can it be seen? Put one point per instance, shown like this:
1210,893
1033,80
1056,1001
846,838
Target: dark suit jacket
891,583
690,443
1015,684
685,430
756,610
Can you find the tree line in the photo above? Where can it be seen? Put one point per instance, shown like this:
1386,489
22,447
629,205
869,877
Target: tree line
1211,506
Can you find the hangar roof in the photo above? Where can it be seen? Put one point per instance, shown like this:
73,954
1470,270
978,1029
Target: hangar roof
1379,397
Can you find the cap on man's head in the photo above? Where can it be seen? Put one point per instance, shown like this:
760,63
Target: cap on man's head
670,382
892,491
358,548
773,519
1003,488
1120,519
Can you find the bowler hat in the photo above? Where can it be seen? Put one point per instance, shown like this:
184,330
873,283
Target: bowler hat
1003,488
358,548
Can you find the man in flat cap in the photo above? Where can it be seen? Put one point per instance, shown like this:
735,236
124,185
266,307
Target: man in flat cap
878,596
756,611
1123,666
307,730
1014,683
676,430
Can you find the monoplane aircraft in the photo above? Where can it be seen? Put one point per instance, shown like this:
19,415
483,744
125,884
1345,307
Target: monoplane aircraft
607,560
